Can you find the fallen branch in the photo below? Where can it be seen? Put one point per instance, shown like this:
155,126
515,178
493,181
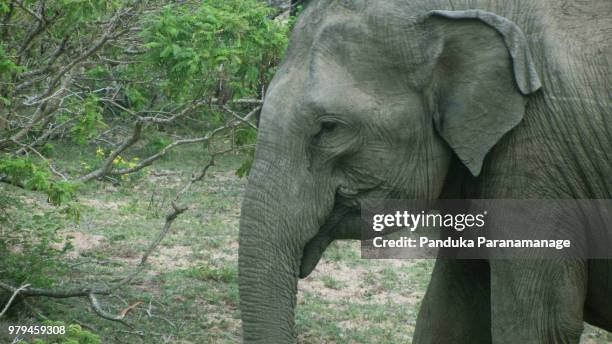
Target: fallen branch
25,291
102,313
57,294
149,312
90,293
196,177
126,310
10,301
176,211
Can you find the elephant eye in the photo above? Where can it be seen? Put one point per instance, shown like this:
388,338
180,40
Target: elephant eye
336,137
327,127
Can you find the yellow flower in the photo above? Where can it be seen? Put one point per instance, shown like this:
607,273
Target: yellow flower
118,160
99,152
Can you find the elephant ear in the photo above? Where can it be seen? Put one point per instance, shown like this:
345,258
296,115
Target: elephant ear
483,70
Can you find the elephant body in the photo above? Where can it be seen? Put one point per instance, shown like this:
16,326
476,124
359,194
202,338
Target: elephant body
427,99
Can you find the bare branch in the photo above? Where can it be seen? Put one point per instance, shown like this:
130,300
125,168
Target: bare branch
47,134
57,294
195,178
95,47
170,119
51,92
106,166
43,110
102,313
10,301
176,211
245,101
29,11
43,24
60,49
243,119
148,161
42,157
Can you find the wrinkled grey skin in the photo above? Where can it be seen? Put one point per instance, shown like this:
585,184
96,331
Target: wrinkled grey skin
387,99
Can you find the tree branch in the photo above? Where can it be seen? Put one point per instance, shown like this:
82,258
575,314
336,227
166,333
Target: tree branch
57,294
10,301
107,165
51,92
244,119
102,313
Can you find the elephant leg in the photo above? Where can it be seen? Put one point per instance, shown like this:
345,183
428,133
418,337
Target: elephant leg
456,306
537,301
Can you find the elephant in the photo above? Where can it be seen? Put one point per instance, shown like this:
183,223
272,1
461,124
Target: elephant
430,99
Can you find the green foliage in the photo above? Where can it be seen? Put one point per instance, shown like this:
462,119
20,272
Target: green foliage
30,242
60,192
33,176
7,63
293,19
7,68
245,168
135,97
4,7
163,58
89,120
47,149
74,13
157,143
231,40
244,137
226,274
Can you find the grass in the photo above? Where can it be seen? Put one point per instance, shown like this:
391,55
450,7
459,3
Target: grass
189,292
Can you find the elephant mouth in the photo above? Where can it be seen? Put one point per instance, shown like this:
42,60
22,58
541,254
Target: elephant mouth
350,197
342,223
346,192
337,221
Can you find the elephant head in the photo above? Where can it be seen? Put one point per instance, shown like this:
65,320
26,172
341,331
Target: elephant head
373,101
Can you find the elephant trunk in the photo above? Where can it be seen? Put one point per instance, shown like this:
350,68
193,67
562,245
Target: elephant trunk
268,279
274,229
